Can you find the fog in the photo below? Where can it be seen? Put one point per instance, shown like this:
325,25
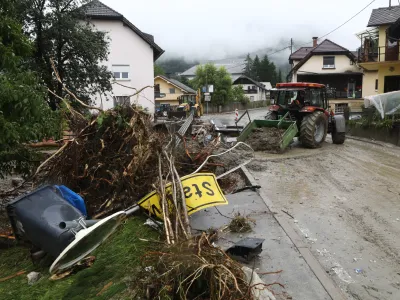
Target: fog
217,29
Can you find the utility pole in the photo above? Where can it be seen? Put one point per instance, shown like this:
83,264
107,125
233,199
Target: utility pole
291,46
390,3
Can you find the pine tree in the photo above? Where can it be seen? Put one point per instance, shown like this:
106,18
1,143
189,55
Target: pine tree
256,69
280,76
248,66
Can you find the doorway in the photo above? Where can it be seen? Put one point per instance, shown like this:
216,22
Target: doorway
392,83
351,88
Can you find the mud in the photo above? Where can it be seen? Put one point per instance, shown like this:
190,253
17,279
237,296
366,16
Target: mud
345,200
266,139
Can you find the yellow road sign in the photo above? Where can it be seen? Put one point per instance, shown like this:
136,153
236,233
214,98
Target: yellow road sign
201,191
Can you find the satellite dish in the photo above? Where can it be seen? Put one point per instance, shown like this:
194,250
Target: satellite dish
87,240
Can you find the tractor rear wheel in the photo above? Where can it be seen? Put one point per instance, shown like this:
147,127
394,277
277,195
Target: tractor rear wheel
338,137
313,129
271,115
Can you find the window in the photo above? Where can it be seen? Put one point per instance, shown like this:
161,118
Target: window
121,101
329,62
121,72
172,90
341,107
376,84
251,98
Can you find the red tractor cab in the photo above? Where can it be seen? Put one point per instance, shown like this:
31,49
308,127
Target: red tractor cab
307,104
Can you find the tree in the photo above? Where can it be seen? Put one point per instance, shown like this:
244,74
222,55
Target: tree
209,75
248,68
279,76
238,94
256,69
174,66
158,70
24,115
60,32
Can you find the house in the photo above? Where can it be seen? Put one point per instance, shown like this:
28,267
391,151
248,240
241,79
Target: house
332,65
254,90
169,90
379,51
131,58
233,66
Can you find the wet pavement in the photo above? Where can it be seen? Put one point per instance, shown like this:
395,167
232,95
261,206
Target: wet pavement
279,252
345,203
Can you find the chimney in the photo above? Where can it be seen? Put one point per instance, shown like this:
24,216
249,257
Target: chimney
315,41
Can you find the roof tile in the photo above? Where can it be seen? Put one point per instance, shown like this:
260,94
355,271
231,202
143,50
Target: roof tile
384,16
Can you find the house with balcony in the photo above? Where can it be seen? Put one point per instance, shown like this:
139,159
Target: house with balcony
254,90
334,66
379,52
168,90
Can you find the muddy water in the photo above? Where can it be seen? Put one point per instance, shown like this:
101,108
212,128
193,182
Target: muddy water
345,200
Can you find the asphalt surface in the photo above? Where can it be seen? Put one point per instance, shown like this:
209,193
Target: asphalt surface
279,253
344,201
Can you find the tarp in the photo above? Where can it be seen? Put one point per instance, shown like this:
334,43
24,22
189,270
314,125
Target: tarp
386,104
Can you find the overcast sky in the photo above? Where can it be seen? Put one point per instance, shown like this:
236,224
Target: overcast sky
215,29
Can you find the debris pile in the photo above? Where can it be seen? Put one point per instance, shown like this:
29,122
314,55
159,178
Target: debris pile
111,161
266,139
194,269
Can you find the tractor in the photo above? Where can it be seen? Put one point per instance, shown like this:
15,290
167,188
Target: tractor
307,105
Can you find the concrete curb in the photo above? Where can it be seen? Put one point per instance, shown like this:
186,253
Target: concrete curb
329,285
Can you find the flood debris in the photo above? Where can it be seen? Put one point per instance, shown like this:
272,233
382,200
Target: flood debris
194,269
240,224
266,139
246,249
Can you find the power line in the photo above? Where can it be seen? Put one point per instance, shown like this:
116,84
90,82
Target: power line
342,24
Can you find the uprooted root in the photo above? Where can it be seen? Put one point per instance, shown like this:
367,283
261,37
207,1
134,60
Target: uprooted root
240,224
194,269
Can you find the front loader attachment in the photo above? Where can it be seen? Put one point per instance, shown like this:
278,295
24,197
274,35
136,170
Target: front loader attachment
287,136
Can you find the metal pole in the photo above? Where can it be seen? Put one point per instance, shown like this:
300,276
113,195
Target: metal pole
291,46
207,107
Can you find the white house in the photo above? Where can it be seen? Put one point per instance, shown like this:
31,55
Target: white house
131,58
334,66
254,90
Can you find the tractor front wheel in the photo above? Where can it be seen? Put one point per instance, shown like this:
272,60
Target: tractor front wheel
338,137
313,129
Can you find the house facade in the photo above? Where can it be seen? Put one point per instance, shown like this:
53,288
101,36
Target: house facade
254,90
131,58
332,65
169,90
379,52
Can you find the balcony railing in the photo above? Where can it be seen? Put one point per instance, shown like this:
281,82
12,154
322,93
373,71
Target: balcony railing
250,91
379,54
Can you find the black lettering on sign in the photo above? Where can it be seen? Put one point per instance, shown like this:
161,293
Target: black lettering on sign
198,191
155,210
187,192
207,186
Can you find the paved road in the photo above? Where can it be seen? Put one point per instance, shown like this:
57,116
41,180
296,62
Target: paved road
345,200
229,118
279,252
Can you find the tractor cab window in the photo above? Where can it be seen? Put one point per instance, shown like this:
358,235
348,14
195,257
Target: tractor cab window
285,97
316,97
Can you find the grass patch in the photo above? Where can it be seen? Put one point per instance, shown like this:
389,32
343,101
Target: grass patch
117,260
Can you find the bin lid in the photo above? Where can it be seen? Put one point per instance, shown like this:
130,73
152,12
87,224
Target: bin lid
87,240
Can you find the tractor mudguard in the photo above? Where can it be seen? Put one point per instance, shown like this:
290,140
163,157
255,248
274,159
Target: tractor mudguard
340,123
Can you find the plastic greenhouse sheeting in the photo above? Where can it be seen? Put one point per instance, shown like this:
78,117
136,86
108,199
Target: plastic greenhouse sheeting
386,104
